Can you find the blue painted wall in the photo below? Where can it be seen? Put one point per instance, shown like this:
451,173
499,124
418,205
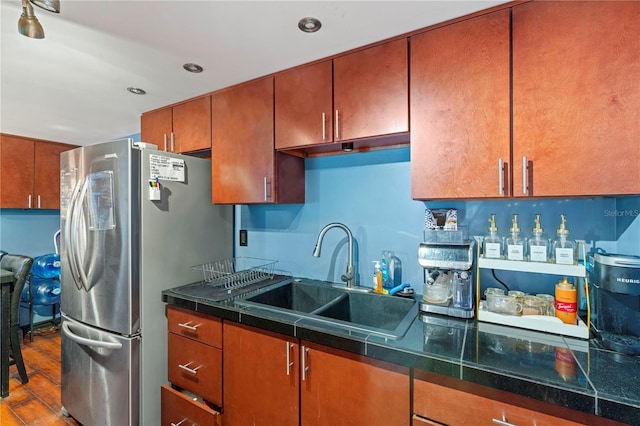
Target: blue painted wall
370,193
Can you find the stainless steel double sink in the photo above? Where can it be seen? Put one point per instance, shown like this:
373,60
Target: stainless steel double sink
325,304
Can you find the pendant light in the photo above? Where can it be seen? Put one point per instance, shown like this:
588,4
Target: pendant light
28,24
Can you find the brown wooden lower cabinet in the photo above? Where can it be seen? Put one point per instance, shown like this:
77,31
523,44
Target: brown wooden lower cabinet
444,403
179,409
270,379
259,377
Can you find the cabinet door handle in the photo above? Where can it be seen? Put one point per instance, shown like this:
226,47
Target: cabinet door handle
188,326
164,137
185,367
39,204
324,126
524,175
337,124
304,366
500,179
173,142
503,422
29,201
266,193
289,362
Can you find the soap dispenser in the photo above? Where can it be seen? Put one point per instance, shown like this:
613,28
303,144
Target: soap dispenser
538,243
563,249
515,245
492,242
377,277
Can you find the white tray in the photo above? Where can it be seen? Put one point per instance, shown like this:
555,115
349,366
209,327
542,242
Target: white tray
543,323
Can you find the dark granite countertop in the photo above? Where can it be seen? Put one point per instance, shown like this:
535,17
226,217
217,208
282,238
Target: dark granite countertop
564,371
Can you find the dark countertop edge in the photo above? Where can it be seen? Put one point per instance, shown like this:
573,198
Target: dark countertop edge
585,402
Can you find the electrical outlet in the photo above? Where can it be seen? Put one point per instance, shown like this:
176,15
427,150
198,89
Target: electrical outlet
244,238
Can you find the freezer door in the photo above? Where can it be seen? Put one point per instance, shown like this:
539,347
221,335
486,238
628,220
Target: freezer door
99,244
100,375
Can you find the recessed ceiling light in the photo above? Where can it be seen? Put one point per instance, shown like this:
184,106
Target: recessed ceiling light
136,91
192,67
309,25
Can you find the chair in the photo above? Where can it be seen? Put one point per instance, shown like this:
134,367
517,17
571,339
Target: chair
20,266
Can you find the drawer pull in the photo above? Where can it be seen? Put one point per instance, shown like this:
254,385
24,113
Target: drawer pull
190,370
182,421
502,422
189,327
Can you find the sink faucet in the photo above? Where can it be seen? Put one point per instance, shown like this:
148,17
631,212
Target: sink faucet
348,277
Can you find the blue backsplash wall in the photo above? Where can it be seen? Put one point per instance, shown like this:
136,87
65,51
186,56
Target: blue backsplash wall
370,193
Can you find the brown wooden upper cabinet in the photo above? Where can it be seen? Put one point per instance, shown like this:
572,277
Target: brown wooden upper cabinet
575,102
576,98
460,100
246,169
358,95
30,173
182,128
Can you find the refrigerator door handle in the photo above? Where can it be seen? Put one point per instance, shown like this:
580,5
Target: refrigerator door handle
82,276
67,234
66,329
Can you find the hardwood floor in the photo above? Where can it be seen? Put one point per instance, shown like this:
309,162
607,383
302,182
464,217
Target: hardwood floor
37,402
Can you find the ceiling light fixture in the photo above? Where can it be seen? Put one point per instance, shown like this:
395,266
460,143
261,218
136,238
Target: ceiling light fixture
136,91
194,68
309,25
28,24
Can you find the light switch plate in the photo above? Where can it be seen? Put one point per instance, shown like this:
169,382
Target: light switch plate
243,238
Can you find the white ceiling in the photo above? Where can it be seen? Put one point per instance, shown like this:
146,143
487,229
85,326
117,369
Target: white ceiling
71,86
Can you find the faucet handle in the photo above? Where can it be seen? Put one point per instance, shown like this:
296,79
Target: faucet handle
346,277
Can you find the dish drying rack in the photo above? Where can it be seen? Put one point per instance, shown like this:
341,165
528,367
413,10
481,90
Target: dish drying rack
237,272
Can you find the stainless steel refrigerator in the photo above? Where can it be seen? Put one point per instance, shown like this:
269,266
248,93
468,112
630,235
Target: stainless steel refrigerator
133,220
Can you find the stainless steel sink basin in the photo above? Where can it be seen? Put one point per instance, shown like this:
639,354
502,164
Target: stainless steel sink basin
371,310
322,303
297,296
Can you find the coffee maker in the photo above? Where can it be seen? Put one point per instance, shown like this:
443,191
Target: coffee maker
448,274
615,294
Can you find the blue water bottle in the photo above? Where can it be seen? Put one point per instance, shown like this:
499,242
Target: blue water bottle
46,266
45,291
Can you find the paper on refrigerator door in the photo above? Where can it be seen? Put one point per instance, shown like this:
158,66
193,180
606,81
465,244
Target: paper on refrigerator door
166,168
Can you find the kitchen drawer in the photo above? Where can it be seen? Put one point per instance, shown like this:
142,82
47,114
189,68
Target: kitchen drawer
421,421
443,405
178,408
195,326
195,367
